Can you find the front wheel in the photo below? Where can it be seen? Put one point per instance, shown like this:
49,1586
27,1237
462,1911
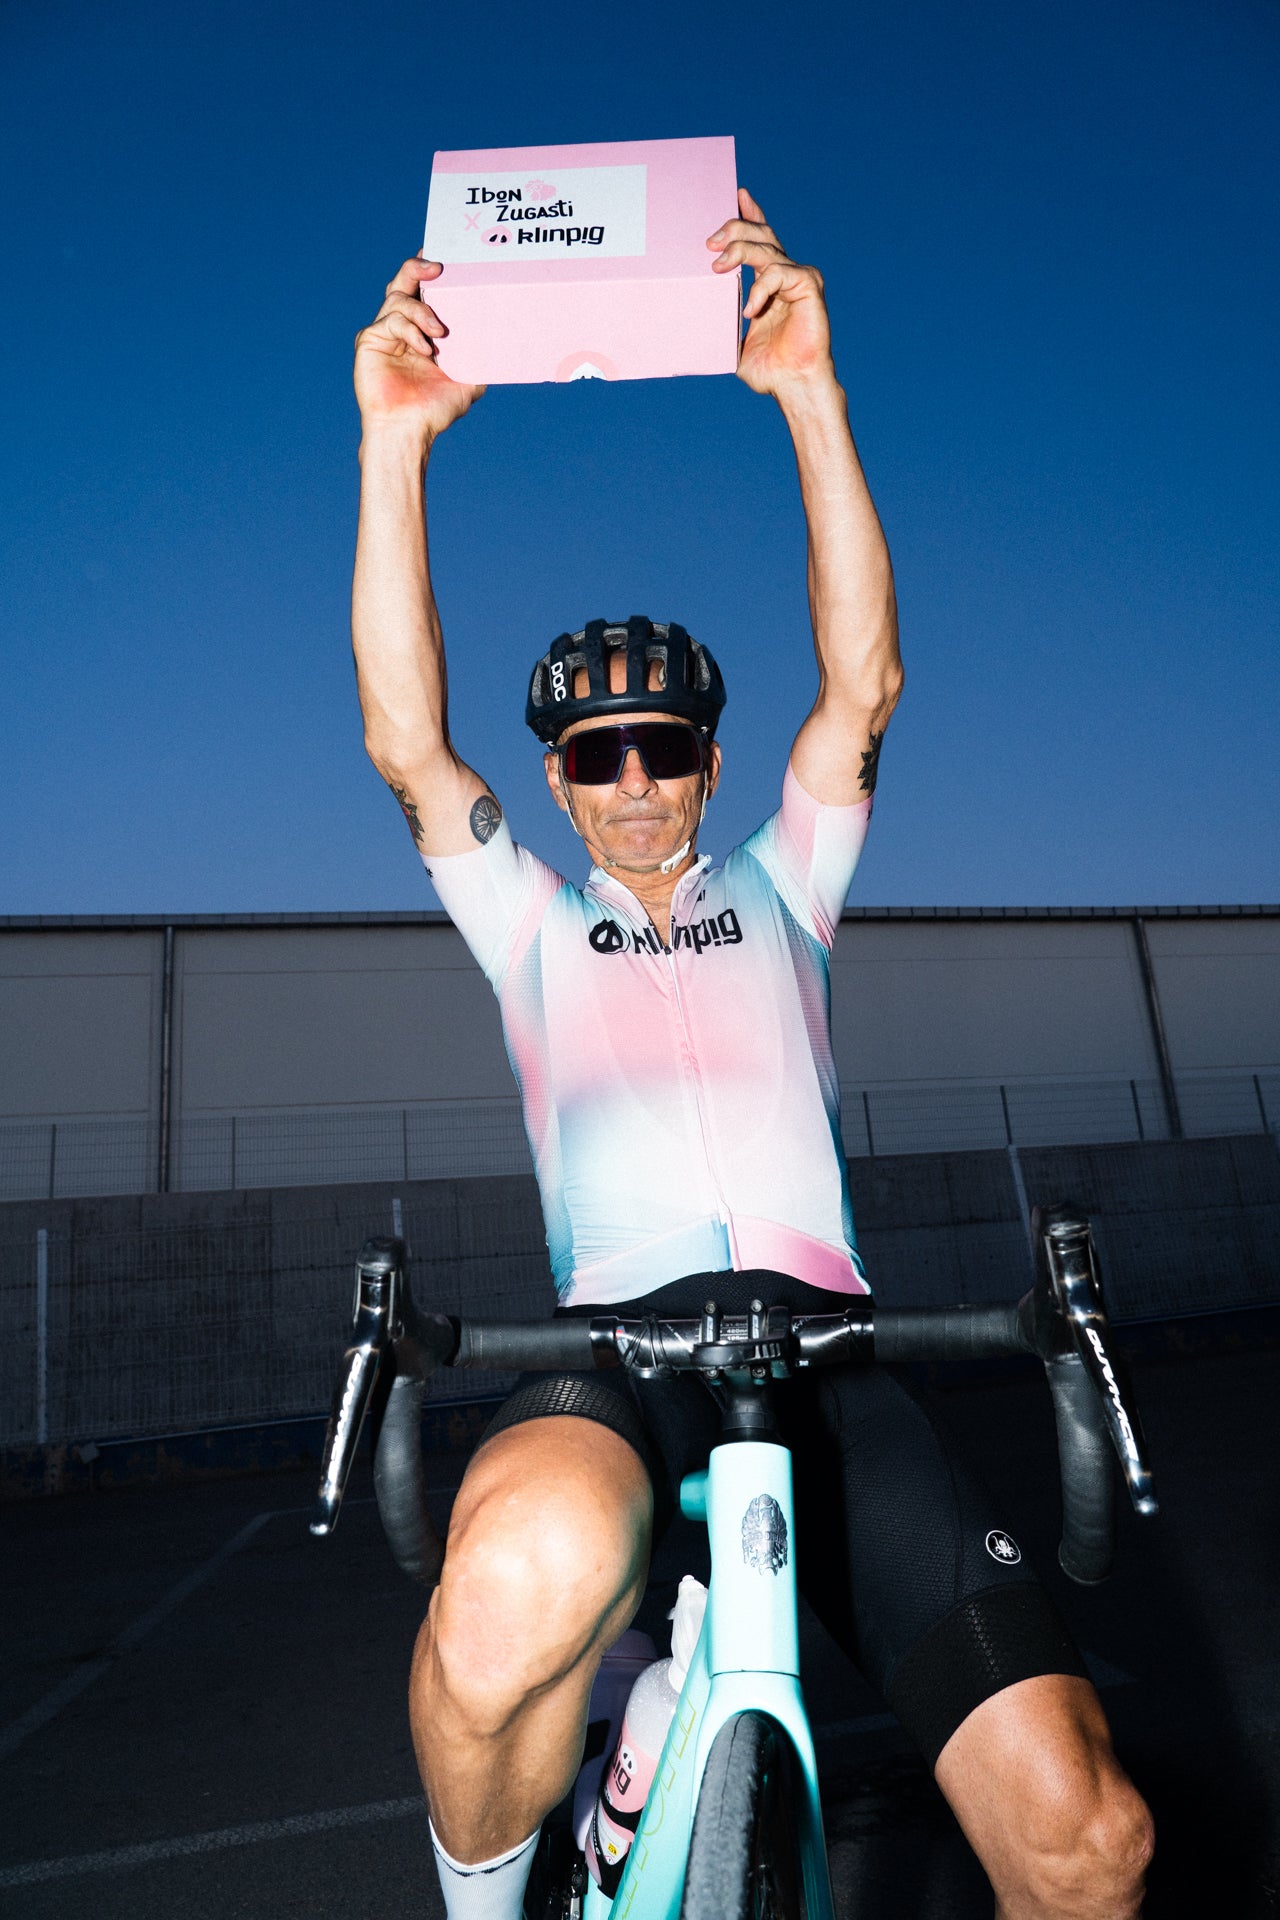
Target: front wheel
744,1857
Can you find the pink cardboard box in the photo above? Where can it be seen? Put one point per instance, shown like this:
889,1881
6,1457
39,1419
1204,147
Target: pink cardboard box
571,263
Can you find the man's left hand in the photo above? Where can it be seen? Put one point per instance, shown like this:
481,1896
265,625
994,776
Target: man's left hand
788,340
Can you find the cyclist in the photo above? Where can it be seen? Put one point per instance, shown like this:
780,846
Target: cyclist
668,1027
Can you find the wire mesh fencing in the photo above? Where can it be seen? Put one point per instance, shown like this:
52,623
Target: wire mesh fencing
55,1159
469,1139
130,1317
958,1117
121,1332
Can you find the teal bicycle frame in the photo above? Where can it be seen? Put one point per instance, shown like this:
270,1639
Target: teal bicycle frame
747,1659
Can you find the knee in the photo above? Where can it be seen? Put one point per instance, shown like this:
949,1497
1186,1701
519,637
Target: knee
543,1567
1096,1867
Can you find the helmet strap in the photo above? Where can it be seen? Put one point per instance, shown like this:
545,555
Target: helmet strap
669,866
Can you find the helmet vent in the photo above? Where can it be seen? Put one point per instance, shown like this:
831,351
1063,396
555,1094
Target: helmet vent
666,672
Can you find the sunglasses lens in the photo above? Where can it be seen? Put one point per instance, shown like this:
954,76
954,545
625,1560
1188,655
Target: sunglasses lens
669,752
592,759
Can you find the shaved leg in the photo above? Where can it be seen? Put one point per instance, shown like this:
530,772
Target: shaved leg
1058,1825
544,1566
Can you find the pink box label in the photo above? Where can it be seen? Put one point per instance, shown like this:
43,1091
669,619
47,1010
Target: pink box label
566,263
472,216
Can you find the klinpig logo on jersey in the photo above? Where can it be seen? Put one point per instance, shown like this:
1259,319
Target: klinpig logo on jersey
717,930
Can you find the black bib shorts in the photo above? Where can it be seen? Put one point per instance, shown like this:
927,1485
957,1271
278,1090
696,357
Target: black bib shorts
900,1550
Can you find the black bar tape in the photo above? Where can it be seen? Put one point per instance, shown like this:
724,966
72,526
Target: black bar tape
955,1333
1088,1479
568,1345
399,1481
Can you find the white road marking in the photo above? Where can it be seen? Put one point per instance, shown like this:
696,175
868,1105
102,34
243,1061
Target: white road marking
51,1704
299,1824
76,1683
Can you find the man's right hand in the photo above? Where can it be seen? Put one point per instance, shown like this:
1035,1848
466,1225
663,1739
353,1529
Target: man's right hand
397,374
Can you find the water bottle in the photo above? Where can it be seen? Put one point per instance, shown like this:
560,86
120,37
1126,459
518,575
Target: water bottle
629,1772
618,1672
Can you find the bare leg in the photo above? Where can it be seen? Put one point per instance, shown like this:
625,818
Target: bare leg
544,1567
1058,1825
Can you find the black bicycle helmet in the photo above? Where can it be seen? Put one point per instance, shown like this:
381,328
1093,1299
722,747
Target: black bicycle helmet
691,686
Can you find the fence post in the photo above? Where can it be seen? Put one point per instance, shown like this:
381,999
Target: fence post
1008,1127
42,1337
1262,1105
1137,1108
233,1153
866,1114
1024,1206
404,1145
1157,1027
53,1155
166,1062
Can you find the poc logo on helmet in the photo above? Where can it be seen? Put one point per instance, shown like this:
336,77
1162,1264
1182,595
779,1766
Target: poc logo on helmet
559,690
607,937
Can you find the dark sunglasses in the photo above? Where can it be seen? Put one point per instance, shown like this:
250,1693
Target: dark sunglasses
667,752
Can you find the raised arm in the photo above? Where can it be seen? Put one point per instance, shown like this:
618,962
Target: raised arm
787,352
405,403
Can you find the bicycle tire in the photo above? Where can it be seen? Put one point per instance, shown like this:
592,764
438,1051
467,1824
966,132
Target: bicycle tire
744,1854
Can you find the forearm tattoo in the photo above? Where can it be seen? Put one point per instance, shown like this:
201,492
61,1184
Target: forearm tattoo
871,763
409,811
485,816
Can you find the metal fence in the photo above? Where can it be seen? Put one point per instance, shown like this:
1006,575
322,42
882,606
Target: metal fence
111,1327
439,1140
121,1333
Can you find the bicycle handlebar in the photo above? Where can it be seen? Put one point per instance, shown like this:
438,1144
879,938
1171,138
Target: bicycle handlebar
1062,1320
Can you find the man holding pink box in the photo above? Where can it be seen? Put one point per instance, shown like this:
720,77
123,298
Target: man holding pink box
665,1025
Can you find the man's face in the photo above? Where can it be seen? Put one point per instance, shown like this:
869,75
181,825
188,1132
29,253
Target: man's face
636,822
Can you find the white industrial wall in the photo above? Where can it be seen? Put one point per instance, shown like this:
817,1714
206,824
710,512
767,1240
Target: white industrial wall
80,1024
332,1016
306,1053
1003,1000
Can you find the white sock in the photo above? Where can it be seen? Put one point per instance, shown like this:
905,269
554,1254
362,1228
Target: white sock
489,1890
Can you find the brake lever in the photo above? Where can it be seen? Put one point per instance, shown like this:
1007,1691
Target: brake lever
1082,1316
377,1265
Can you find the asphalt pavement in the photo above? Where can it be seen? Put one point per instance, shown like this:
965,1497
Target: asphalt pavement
202,1708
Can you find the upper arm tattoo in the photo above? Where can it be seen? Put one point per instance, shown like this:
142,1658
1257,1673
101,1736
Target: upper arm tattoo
409,811
485,817
871,762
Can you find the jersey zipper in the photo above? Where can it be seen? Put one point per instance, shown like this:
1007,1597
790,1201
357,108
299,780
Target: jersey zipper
695,1074
699,1107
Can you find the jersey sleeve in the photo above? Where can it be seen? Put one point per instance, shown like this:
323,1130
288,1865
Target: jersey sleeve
496,898
809,853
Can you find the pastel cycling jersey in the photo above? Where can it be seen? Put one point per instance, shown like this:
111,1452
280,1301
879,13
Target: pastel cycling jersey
681,1103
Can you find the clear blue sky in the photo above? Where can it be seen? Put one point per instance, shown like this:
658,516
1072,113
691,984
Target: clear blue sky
1050,242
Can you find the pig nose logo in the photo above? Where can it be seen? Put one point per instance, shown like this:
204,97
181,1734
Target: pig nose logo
607,937
496,236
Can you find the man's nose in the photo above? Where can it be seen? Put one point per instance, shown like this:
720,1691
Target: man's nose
635,777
